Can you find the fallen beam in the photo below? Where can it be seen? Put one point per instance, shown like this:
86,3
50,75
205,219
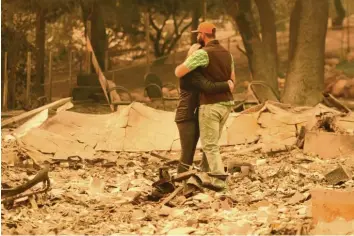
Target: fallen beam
184,175
33,112
348,103
7,114
249,149
336,103
154,154
172,195
41,176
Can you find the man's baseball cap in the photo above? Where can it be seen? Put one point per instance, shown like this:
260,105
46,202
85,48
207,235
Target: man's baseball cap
205,27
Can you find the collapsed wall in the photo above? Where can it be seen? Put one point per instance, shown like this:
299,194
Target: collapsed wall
141,128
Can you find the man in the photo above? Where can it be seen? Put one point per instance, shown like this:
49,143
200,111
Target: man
187,111
216,65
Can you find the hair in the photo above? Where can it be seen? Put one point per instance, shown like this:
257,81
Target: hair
212,35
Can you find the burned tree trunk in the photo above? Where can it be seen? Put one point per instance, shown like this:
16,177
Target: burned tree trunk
261,52
337,23
13,47
269,40
91,11
38,88
195,22
308,28
98,34
13,79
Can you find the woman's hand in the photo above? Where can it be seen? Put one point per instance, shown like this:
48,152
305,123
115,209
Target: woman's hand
193,48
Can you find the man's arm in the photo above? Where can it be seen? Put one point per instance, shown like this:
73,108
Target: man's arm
199,82
198,58
181,71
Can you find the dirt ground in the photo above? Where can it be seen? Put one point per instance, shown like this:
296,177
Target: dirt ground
113,196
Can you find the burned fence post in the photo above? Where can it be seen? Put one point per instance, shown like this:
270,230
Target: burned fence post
6,84
50,76
28,81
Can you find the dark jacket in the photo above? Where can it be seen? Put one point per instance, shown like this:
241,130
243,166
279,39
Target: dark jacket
218,70
190,85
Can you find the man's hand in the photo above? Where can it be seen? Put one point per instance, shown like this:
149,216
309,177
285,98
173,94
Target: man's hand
231,85
193,48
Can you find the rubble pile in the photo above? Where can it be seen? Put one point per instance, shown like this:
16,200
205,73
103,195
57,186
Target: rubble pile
116,173
116,197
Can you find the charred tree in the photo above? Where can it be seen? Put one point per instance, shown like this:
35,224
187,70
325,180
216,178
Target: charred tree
305,77
92,11
261,51
337,23
38,88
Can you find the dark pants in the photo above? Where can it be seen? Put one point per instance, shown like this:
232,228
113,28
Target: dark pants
189,135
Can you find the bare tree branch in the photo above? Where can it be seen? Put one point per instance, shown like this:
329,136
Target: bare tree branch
176,27
165,20
158,37
175,22
185,28
153,23
167,41
172,45
183,18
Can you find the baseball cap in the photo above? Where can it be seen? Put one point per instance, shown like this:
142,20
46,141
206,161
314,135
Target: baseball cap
205,27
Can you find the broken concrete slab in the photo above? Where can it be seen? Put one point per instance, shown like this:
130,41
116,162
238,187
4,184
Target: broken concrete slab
11,158
50,143
36,156
296,198
337,176
245,133
137,128
328,204
328,145
345,124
